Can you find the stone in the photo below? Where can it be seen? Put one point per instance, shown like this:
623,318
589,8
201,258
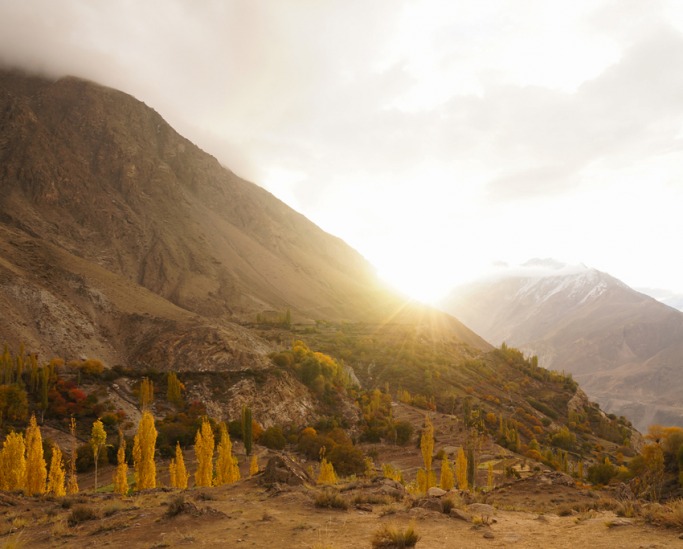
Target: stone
435,492
460,515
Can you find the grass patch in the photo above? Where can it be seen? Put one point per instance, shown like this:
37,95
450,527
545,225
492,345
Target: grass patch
331,500
391,537
669,514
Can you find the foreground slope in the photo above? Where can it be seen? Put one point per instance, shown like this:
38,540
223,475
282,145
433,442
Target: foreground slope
624,348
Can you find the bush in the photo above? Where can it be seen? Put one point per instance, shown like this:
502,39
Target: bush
601,473
347,460
389,537
404,432
81,513
273,438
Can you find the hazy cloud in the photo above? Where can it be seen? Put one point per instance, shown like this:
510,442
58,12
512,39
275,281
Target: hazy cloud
438,112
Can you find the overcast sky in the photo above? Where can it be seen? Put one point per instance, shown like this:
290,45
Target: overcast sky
436,137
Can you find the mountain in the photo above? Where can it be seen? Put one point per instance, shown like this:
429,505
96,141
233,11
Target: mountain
122,241
664,296
623,347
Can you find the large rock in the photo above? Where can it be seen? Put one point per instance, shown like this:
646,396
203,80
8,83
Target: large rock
282,469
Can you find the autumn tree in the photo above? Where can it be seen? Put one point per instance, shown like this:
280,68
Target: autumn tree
174,391
121,471
72,481
253,465
427,449
177,470
227,470
146,393
461,469
56,477
446,481
36,468
204,444
98,438
144,445
326,474
13,463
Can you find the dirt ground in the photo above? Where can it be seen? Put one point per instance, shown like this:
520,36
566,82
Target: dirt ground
247,514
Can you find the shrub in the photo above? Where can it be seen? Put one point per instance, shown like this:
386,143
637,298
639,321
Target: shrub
404,432
81,513
176,506
273,438
389,537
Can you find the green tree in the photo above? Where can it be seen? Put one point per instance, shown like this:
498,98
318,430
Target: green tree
247,429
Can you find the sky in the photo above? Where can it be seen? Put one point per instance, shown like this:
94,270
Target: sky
438,138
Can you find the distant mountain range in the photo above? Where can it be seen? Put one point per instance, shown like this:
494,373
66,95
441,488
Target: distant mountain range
624,348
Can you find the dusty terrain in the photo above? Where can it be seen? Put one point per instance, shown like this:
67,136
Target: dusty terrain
248,514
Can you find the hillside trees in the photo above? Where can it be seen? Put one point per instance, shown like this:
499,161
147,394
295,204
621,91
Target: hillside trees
36,471
13,462
227,470
203,449
143,452
98,438
57,475
121,472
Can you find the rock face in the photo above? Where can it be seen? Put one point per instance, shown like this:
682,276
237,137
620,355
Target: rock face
623,347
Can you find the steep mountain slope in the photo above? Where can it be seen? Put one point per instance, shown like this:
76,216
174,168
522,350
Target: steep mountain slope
113,225
624,348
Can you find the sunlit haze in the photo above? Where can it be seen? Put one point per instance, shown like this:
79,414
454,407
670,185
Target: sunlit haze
435,137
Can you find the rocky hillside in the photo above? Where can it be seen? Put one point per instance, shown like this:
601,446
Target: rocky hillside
623,347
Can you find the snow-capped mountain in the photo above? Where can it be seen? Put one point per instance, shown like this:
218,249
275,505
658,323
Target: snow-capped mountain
624,347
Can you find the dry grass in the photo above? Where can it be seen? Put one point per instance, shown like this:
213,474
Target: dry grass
391,537
669,514
331,500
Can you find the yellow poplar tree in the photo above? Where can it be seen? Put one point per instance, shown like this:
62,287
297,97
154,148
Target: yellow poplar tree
427,449
72,481
98,438
143,453
327,474
489,478
13,463
227,470
36,468
177,470
203,448
57,475
121,471
461,469
253,465
446,481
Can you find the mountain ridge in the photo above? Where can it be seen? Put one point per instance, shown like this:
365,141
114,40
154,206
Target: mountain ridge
615,341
